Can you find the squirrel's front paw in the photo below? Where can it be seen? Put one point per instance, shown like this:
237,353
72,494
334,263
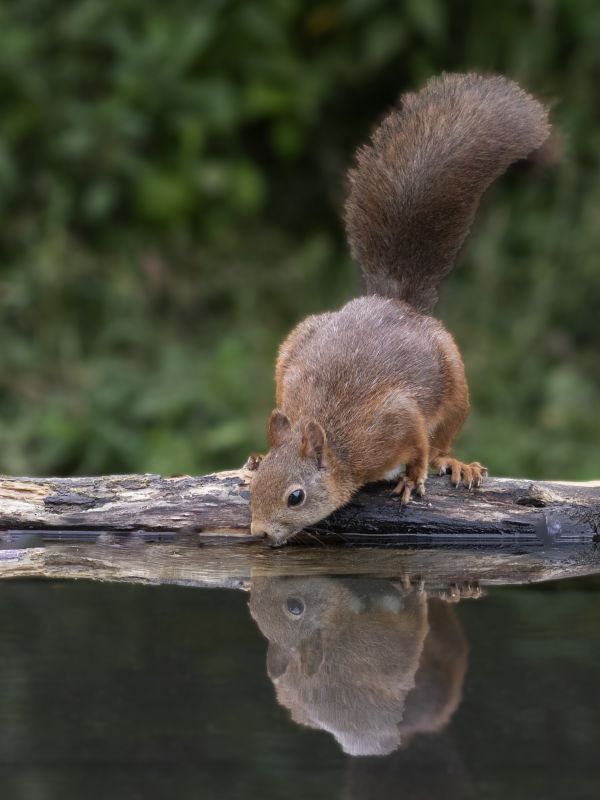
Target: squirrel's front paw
405,487
470,474
251,465
253,462
410,583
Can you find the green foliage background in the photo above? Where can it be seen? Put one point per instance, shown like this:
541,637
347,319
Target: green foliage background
171,179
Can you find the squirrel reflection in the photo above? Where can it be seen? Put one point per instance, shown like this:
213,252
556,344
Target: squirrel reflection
372,662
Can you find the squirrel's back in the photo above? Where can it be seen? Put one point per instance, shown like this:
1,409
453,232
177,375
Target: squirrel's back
416,187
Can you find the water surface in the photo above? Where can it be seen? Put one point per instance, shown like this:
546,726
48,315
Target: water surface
305,686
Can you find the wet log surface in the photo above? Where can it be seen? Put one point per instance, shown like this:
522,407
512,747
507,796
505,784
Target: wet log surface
215,507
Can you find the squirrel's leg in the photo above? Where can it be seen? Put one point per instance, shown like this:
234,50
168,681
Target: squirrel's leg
415,454
441,445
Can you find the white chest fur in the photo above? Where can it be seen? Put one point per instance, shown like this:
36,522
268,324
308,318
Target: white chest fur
394,473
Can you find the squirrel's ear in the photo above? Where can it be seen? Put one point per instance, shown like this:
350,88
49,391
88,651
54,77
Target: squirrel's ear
278,428
314,442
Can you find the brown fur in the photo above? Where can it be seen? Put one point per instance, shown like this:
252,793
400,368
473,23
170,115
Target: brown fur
379,384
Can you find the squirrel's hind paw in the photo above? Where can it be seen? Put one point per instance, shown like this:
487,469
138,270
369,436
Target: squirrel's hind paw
469,474
405,487
469,590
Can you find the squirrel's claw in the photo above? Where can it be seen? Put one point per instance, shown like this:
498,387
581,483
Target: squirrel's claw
470,475
253,462
250,467
405,487
410,583
469,590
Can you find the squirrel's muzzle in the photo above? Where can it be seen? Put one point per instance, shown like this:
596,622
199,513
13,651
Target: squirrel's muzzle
276,534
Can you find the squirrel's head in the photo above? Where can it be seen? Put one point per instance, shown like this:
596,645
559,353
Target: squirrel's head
294,484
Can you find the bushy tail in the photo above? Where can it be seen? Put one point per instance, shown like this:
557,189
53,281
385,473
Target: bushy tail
416,187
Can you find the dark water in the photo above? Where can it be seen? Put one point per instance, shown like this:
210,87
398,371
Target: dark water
110,691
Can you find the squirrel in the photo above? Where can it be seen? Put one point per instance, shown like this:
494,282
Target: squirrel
380,385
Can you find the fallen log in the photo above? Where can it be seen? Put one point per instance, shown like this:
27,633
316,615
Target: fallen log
216,508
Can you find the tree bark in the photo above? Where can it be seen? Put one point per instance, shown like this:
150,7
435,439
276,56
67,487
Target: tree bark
215,507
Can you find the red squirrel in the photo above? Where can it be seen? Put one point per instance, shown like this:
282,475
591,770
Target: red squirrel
377,390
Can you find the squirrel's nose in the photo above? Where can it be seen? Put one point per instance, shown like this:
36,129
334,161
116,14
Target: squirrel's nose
256,529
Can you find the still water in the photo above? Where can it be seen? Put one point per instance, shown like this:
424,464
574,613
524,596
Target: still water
302,687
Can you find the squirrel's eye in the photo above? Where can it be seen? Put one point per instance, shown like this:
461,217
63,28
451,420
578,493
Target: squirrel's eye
296,497
295,606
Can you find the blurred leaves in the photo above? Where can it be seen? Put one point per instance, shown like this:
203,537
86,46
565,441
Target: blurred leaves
171,182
